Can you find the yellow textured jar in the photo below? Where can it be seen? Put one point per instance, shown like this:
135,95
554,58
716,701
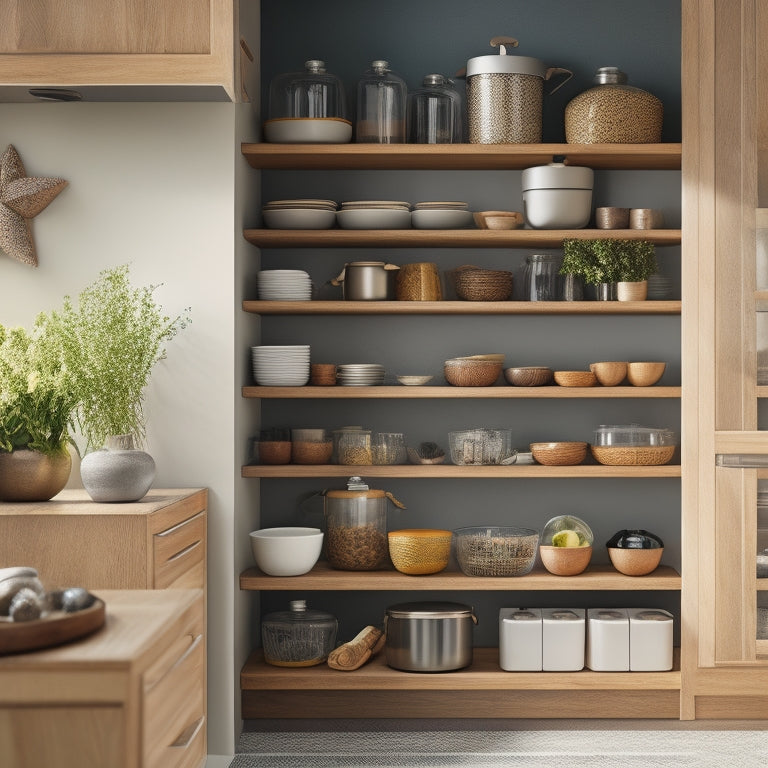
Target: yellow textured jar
419,551
613,113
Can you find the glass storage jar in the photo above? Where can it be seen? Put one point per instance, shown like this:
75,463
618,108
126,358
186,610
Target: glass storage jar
352,445
298,637
311,446
389,448
381,106
540,277
356,526
613,113
434,112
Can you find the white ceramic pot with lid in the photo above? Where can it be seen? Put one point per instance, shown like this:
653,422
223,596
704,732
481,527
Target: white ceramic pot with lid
557,196
505,94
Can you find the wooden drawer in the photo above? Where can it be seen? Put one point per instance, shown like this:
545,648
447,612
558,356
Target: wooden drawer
179,555
174,705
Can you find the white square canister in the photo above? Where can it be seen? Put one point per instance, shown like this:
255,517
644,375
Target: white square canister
650,640
562,639
520,639
608,639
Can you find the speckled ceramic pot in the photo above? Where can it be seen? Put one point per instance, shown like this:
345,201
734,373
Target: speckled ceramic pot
33,476
117,472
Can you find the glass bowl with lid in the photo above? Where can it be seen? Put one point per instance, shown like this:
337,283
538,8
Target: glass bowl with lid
307,106
623,444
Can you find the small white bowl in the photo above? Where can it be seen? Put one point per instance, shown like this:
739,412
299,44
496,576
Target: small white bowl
374,218
309,130
414,381
440,218
286,551
299,218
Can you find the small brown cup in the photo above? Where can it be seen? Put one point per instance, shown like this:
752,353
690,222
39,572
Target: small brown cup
612,218
322,374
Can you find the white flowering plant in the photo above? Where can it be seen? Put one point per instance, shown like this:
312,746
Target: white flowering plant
37,394
110,339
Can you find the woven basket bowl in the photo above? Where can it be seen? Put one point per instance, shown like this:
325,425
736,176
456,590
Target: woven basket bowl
575,378
609,374
496,551
419,551
635,562
565,561
647,455
645,374
531,376
482,284
559,454
472,373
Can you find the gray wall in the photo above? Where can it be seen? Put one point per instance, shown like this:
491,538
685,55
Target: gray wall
417,38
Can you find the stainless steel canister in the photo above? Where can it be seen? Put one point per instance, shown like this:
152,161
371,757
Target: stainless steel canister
505,94
367,281
429,636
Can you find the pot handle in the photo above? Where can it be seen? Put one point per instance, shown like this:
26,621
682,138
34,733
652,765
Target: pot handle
474,618
398,504
340,279
391,266
558,71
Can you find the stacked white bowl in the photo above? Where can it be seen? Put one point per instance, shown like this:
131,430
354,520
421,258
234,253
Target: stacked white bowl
284,285
441,215
374,214
299,214
281,366
360,375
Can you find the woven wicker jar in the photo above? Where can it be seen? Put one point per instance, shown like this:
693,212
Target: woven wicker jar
613,113
632,291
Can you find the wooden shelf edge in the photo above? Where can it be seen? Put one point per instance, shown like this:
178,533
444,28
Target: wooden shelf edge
450,238
400,392
462,307
667,156
483,674
455,471
596,578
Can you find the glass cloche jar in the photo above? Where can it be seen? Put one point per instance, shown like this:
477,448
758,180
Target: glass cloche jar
381,106
307,106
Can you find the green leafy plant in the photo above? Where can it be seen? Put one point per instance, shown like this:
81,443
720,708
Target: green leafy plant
608,260
110,340
37,393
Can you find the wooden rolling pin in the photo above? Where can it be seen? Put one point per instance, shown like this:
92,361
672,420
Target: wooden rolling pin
352,655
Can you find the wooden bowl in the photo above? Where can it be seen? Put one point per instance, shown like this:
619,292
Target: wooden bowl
644,374
635,562
559,454
575,378
472,373
609,374
529,376
565,561
498,219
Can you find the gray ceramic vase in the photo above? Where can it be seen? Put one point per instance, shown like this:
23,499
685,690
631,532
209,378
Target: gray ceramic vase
118,472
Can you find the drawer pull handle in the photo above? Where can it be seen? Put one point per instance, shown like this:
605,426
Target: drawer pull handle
171,531
183,552
187,736
190,649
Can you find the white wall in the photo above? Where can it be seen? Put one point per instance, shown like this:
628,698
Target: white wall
153,185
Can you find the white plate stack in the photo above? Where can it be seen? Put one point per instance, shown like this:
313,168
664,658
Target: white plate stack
374,214
284,285
281,366
299,214
360,375
441,215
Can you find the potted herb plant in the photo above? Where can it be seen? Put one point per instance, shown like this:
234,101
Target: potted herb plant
111,339
37,397
605,261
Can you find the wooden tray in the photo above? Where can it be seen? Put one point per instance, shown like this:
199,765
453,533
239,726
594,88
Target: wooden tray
54,629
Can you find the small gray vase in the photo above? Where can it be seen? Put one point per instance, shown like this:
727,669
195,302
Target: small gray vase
118,472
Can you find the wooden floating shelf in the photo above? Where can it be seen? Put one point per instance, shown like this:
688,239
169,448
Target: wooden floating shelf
483,157
484,674
447,392
324,578
454,471
448,238
463,307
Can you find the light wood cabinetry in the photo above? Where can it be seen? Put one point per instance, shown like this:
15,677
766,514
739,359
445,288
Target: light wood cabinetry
132,695
377,692
156,543
186,49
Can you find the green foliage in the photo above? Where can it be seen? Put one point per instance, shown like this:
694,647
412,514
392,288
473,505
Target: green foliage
37,393
608,260
110,340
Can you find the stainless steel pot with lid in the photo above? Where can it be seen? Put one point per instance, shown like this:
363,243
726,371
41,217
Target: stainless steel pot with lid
367,280
431,636
504,95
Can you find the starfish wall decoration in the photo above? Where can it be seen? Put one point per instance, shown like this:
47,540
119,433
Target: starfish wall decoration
22,197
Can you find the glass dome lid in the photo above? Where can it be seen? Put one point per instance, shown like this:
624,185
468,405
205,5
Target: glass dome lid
567,531
313,93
